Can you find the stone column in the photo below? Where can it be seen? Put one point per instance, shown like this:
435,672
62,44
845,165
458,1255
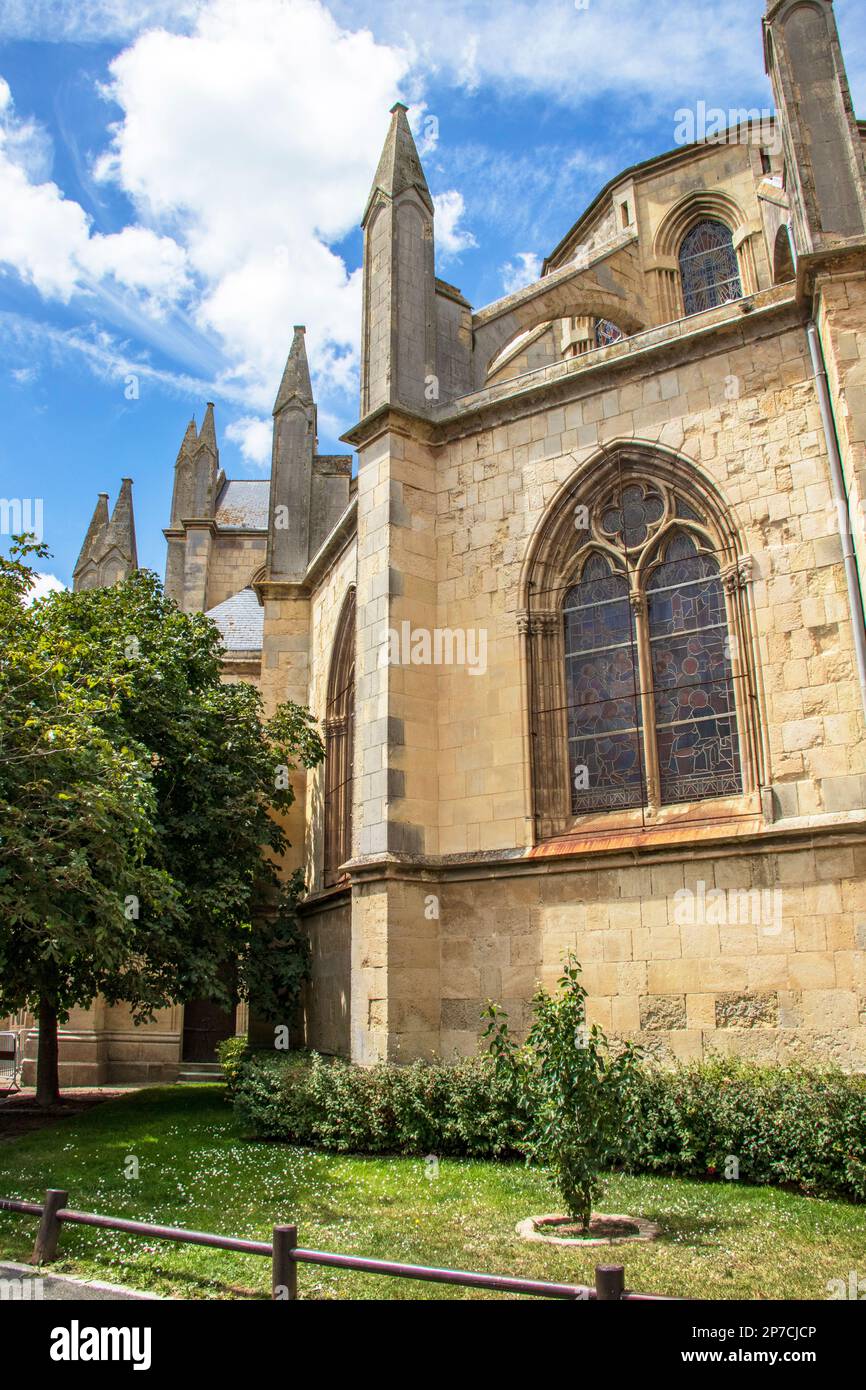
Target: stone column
196,560
395,964
548,719
286,676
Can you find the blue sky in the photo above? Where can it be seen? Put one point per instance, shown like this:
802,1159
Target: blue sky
182,182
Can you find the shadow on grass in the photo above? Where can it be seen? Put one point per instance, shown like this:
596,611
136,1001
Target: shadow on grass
193,1285
699,1232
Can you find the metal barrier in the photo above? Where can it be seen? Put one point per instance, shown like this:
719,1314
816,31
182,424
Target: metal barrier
285,1255
10,1065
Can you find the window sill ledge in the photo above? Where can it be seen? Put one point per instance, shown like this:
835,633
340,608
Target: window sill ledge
725,825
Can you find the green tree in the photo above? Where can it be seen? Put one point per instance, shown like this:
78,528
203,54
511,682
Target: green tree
576,1090
75,824
276,964
215,785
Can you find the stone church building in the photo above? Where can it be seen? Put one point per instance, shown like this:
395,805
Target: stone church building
584,622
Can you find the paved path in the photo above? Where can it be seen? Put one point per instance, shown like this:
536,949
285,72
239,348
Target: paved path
23,1282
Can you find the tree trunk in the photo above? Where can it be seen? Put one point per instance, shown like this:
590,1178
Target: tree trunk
47,1070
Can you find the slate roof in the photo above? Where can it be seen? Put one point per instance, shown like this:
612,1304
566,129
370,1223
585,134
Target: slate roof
244,504
241,621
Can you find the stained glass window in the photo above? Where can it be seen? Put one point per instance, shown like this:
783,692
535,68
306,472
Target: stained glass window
696,729
649,682
607,333
709,268
685,511
631,516
604,712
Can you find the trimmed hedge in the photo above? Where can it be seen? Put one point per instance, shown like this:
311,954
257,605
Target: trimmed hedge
790,1126
786,1126
460,1111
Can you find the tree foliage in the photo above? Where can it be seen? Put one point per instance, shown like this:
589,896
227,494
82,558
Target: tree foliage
141,801
576,1090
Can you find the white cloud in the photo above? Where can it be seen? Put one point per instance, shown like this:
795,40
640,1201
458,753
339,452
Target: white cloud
550,47
46,238
109,359
451,238
253,142
90,21
254,438
44,585
523,270
573,56
247,146
425,128
154,266
40,230
25,142
24,376
468,73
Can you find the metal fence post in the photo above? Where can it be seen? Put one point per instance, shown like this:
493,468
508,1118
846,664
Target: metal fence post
609,1281
45,1248
284,1279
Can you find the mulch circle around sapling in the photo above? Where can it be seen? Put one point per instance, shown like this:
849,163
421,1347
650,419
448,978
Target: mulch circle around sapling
604,1229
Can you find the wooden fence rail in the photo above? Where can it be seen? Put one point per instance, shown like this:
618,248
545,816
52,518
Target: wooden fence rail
285,1255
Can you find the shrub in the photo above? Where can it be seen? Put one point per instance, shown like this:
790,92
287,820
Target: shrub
466,1109
267,1098
792,1126
231,1053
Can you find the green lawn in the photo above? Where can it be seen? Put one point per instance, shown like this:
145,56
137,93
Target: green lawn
720,1240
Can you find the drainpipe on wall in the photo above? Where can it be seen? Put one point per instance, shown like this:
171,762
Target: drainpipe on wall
840,499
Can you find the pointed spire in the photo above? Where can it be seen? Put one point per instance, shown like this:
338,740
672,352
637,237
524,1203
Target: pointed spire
121,530
296,384
183,472
400,165
196,472
109,552
294,450
95,534
207,434
189,441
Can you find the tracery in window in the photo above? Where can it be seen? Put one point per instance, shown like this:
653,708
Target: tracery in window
650,713
709,267
632,515
641,652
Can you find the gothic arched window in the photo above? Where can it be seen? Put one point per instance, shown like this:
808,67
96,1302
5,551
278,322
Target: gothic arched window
340,746
639,656
709,267
648,661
